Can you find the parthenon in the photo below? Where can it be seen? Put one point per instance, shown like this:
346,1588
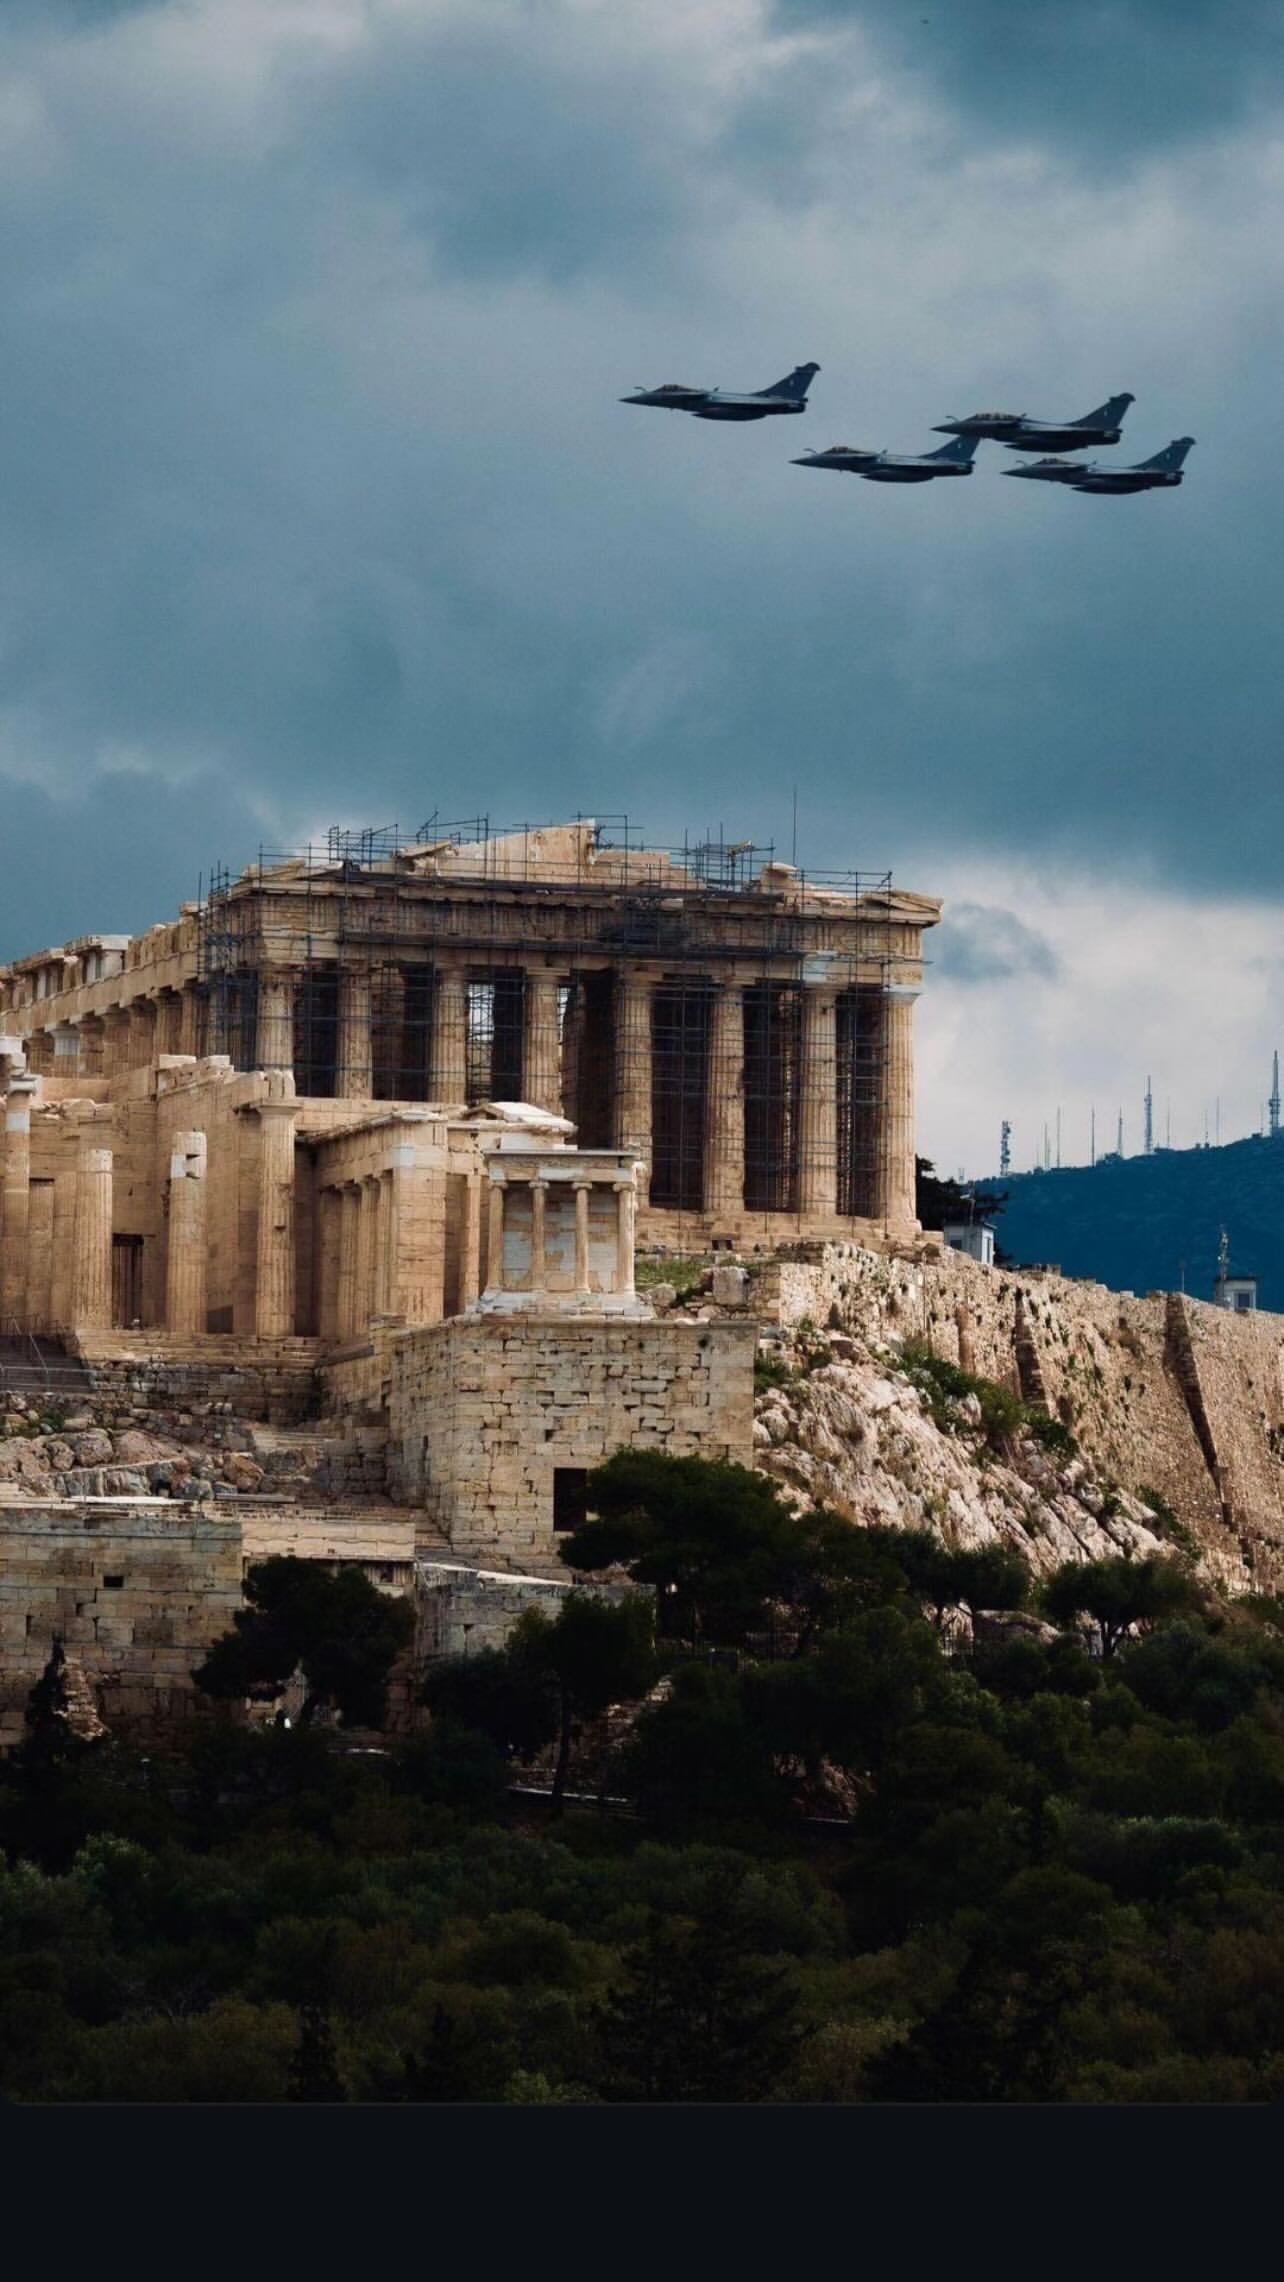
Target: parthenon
284,1115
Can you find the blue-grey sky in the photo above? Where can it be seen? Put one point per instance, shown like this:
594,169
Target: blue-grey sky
319,503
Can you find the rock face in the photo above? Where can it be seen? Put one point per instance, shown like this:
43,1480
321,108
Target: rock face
857,1436
1165,1396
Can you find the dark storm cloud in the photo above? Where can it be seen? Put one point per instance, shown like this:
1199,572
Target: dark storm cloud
1104,78
319,504
981,943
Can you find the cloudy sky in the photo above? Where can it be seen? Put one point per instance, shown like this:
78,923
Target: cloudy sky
319,505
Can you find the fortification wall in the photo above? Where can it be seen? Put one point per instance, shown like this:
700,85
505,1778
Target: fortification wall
273,1379
1162,1393
484,1410
137,1590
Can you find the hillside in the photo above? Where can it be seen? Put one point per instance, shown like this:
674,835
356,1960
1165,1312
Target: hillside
1143,1224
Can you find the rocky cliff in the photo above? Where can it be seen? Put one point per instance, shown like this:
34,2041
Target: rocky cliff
1132,1410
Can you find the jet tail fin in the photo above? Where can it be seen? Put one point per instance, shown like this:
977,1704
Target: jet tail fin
1172,455
795,384
1107,415
961,449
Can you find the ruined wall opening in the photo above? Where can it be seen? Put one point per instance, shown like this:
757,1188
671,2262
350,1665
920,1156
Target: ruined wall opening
401,1009
126,1281
316,1033
773,1028
593,1016
679,1091
496,1009
861,1038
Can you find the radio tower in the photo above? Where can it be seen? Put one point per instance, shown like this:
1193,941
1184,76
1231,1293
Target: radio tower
1119,1142
1148,1144
1005,1146
1273,1105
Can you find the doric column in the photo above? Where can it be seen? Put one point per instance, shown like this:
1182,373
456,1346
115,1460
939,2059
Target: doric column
633,997
93,1046
897,1185
40,1237
383,1245
349,1214
542,1041
539,1257
818,1103
470,1242
185,1256
14,1243
274,1032
495,1239
189,1014
366,1206
116,1038
142,1032
724,1160
169,1021
329,1224
62,1280
582,1235
450,1035
354,1077
274,1246
626,1201
91,1285
66,1061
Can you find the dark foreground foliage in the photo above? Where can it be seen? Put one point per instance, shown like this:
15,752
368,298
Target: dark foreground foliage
1060,1876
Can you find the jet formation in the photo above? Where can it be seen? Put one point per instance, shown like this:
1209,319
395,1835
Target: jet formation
1015,431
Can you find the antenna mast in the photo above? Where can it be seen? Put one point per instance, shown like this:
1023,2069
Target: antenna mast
1273,1105
1148,1145
1005,1146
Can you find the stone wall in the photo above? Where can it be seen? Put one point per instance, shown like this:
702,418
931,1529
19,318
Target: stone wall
484,1410
460,1611
270,1379
137,1590
1162,1393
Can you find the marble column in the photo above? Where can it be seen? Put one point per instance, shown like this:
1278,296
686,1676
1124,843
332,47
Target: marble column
274,1030
470,1243
349,1213
626,1201
169,1022
450,1035
116,1041
185,1310
62,1280
91,1283
897,1185
274,1244
354,1075
818,1104
366,1205
542,1041
330,1210
633,1055
189,1017
66,1062
582,1235
15,1240
40,1241
142,1032
724,1161
495,1238
539,1256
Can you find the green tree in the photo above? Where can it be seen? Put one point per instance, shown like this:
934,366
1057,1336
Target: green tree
699,2016
343,1632
720,1544
314,2070
553,1674
1120,1595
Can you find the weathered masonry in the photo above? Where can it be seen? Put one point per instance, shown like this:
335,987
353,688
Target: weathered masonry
272,1117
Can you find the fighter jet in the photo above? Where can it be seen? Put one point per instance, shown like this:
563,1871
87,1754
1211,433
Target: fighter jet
1022,434
787,395
889,467
848,456
1048,471
1163,472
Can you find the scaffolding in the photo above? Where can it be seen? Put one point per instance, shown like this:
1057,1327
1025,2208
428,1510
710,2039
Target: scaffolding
591,901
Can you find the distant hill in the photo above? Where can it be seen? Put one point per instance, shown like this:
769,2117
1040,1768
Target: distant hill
1131,1222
